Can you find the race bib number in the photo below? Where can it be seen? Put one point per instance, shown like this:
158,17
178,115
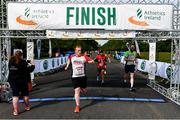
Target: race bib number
131,57
101,63
79,71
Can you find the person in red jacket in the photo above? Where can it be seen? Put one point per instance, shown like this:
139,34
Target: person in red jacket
101,59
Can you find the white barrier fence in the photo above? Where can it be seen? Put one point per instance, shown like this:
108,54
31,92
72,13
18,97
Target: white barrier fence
45,65
162,69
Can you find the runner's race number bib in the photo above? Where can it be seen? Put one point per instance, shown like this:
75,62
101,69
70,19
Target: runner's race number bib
101,63
79,71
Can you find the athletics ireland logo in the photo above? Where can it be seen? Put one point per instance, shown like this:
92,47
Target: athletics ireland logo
25,19
27,12
137,20
143,65
169,72
45,64
139,13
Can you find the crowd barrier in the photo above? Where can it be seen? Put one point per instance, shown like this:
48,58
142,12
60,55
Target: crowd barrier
162,69
45,65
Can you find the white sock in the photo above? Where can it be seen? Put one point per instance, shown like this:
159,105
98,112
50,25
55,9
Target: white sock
132,83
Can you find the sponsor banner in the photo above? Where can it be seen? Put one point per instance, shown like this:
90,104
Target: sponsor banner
54,63
152,67
67,58
168,71
44,65
33,16
64,60
142,65
89,34
57,61
159,68
37,66
49,64
139,64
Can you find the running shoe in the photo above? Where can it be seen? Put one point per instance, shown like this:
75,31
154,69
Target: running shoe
132,89
97,78
125,81
77,109
102,82
27,108
15,113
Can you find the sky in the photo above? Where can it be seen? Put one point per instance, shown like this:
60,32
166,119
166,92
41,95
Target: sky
102,42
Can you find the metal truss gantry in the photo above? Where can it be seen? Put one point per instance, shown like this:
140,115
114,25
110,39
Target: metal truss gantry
172,92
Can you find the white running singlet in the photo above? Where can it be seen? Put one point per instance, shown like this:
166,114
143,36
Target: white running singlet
78,65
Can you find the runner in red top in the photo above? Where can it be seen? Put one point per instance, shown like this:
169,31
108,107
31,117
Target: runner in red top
101,66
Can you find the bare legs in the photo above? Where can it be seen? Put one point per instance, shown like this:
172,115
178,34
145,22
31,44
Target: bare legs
132,79
26,103
125,77
15,103
77,96
77,99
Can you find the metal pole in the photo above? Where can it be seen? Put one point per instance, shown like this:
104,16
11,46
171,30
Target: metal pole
0,61
2,12
30,56
152,59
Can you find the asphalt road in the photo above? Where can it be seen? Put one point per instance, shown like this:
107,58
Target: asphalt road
60,85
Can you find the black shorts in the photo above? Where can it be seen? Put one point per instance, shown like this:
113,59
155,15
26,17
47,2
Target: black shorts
79,82
129,68
19,89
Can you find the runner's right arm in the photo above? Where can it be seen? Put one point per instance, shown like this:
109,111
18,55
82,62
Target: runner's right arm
89,60
67,64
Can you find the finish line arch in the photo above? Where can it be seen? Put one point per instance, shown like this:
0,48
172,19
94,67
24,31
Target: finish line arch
151,34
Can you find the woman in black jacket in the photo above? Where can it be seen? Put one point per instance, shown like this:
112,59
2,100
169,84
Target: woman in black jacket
18,70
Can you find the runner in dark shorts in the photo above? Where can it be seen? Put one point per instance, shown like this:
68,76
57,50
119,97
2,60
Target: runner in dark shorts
130,58
79,79
129,68
80,82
